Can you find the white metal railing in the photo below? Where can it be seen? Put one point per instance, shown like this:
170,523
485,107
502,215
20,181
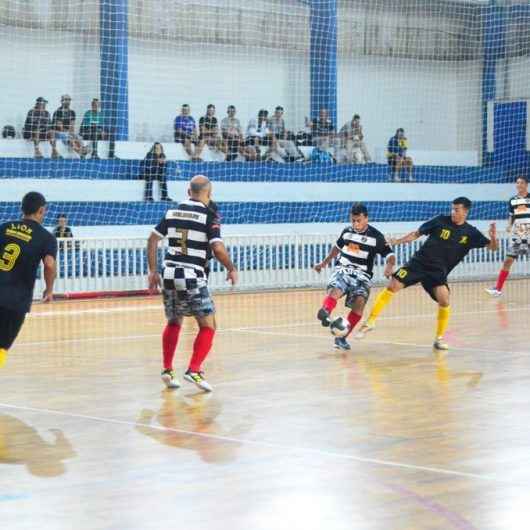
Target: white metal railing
264,262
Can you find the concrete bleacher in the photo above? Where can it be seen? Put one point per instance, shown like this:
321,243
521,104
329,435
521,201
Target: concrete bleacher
137,150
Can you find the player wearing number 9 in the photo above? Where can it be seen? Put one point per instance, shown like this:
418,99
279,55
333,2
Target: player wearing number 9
24,243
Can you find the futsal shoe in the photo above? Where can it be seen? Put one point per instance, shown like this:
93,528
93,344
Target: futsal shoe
198,379
440,345
323,316
341,344
365,328
169,379
494,292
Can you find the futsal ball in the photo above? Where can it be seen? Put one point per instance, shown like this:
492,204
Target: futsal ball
340,327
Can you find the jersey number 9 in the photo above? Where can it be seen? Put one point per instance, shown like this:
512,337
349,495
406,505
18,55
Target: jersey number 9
9,257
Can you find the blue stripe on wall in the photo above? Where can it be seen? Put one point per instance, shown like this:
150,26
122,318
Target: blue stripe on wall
140,213
243,172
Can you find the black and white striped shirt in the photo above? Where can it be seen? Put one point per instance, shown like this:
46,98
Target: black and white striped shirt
358,250
519,208
191,228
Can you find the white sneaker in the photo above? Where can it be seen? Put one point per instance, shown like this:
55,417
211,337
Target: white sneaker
364,329
169,379
493,292
439,344
198,379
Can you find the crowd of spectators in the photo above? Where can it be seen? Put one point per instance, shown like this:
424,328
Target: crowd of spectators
265,138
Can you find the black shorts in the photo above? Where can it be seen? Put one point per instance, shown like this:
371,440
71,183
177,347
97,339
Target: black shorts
415,272
10,324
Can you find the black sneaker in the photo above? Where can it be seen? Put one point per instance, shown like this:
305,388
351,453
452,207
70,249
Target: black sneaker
169,379
323,316
341,344
198,379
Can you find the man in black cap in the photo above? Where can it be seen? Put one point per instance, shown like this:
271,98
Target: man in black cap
38,128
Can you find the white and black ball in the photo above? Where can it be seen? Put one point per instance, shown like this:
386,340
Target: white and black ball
340,327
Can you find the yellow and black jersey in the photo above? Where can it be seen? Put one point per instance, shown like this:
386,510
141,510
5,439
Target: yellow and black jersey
447,243
23,244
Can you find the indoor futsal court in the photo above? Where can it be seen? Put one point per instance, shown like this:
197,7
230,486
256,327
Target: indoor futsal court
295,435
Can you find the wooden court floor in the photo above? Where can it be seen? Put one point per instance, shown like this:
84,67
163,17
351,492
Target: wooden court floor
296,435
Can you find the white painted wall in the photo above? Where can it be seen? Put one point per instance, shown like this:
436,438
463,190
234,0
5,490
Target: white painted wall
163,75
43,63
437,103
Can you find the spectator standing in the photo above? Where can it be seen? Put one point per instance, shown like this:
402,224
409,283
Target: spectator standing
232,133
397,156
352,146
62,230
154,167
186,131
281,145
38,128
93,129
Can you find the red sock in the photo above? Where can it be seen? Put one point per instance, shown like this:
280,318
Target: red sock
501,279
329,303
353,319
201,347
170,337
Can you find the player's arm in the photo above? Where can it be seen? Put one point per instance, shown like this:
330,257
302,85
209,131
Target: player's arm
408,238
221,254
510,224
50,272
334,252
154,281
494,242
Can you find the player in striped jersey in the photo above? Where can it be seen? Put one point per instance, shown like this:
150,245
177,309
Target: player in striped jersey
191,229
355,253
519,228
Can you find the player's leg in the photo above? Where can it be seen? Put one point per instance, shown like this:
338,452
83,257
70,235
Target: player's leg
330,301
441,294
10,326
170,336
355,301
503,275
202,308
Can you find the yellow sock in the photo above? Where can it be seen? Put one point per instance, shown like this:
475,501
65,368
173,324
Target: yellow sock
3,357
382,300
443,321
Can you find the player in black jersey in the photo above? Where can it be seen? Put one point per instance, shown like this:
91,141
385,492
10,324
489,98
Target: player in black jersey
519,229
355,252
450,238
23,245
193,231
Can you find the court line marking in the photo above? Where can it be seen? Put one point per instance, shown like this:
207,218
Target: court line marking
249,328
257,443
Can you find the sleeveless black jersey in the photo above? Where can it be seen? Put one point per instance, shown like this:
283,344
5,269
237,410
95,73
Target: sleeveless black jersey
23,245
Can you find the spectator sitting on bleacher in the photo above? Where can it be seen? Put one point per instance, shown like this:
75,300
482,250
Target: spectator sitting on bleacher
352,148
283,149
397,156
62,230
232,133
323,130
208,130
69,139
320,152
154,168
249,153
8,132
258,131
37,128
93,129
186,131
65,114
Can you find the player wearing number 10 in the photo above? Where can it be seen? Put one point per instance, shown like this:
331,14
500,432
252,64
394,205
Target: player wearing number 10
192,228
23,245
450,238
